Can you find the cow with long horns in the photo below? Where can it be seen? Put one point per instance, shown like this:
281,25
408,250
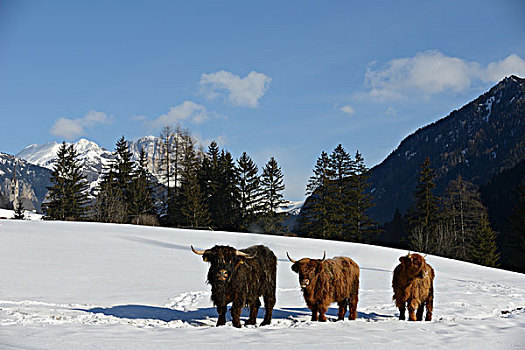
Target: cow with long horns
413,284
324,281
241,277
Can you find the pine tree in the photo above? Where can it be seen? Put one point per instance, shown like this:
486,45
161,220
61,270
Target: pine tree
271,194
109,205
361,227
115,193
421,220
143,191
484,248
249,190
193,205
517,227
210,180
67,197
229,214
19,211
315,219
341,193
125,169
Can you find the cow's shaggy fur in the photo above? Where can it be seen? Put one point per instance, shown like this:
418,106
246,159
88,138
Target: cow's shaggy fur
326,281
413,284
241,280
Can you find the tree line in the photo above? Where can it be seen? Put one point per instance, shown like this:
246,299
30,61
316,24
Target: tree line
455,226
338,199
210,189
199,189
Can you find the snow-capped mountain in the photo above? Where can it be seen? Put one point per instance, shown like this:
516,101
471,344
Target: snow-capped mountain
92,157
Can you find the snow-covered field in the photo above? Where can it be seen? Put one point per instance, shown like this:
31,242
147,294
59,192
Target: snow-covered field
101,286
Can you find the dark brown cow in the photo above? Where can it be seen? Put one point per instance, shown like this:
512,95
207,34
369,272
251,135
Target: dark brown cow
241,277
413,284
326,281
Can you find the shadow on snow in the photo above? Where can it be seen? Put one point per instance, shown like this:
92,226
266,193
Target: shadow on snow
197,316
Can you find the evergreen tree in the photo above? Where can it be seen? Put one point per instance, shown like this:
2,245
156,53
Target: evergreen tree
125,170
271,193
193,205
67,197
421,220
143,191
210,180
249,190
229,196
315,219
19,211
361,226
110,205
517,227
115,193
341,193
484,248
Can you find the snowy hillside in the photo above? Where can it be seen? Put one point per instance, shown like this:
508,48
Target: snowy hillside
101,286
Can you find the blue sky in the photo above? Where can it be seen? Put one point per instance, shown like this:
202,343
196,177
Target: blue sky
273,78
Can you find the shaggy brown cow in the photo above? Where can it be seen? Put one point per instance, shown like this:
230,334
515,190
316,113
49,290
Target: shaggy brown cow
413,284
326,281
240,277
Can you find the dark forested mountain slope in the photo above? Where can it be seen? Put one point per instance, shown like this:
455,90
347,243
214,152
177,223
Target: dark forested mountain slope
477,141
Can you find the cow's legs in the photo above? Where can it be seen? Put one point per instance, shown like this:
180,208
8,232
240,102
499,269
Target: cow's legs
430,304
353,307
413,305
322,310
401,308
254,309
419,314
430,307
269,303
314,312
342,309
236,314
221,310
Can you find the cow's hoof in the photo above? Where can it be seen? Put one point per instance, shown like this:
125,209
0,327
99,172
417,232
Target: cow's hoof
265,323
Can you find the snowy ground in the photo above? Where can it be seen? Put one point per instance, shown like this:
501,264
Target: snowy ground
100,286
29,215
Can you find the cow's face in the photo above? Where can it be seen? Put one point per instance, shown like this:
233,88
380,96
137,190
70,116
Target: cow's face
413,263
223,262
307,269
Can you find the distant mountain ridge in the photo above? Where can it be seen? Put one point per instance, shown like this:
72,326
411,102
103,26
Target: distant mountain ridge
93,158
33,180
478,141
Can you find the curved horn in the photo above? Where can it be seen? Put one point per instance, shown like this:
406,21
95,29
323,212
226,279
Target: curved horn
244,255
292,260
324,256
198,252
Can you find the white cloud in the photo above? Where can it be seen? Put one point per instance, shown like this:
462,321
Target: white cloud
73,128
188,110
348,110
391,112
432,72
496,71
244,92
